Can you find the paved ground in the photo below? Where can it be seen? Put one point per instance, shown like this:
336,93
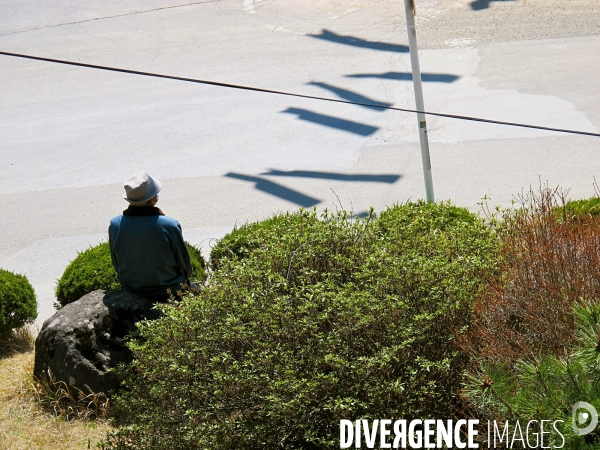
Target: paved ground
70,136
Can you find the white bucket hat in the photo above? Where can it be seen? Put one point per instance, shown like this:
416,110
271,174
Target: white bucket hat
141,187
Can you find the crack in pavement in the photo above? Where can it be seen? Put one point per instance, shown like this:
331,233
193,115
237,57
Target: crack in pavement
111,17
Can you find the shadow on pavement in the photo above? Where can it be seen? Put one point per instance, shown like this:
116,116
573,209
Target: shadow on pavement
362,214
478,5
357,177
277,190
330,36
345,94
407,76
333,122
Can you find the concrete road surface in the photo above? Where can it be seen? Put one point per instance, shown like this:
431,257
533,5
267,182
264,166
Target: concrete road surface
70,136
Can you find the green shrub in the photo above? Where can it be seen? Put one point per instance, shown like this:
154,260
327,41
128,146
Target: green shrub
242,241
325,320
18,305
547,387
92,269
580,208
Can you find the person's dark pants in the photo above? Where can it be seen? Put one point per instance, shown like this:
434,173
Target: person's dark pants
176,295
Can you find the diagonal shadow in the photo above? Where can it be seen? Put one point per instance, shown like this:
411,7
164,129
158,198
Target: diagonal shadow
333,122
407,76
277,190
351,96
478,5
360,177
330,36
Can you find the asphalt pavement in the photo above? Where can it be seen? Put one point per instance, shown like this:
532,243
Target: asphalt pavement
70,136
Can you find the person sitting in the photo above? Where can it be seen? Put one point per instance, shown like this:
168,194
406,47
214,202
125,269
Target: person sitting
147,247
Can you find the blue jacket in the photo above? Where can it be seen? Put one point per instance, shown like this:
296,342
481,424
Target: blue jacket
148,251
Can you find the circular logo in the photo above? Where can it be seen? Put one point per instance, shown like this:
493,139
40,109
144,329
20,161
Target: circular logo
582,413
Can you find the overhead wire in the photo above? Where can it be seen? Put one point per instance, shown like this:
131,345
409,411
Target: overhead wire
292,94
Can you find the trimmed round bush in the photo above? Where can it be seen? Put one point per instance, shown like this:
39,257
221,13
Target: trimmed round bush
328,318
18,304
92,269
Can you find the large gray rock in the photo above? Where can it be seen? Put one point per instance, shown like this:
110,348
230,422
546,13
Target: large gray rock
85,338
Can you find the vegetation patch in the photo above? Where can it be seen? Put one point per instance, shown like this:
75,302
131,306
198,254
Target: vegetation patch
580,208
27,423
535,337
326,318
423,312
547,263
546,387
18,304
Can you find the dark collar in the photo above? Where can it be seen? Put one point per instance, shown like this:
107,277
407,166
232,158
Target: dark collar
141,211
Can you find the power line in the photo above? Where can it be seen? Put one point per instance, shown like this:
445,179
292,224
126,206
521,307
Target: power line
291,94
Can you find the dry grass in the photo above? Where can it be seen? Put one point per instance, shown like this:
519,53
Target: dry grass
25,423
70,403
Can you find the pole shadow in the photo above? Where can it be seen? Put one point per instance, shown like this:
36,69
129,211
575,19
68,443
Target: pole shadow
354,177
407,76
330,36
333,122
345,94
277,190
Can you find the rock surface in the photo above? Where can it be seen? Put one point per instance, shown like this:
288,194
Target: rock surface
84,339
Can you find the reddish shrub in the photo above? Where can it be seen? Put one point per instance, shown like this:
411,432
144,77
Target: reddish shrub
550,259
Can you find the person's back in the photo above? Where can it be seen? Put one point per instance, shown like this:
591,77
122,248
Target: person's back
147,247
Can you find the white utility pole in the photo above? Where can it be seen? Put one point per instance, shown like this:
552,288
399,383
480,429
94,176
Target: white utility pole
418,86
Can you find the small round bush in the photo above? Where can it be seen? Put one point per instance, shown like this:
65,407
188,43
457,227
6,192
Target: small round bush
328,318
92,270
18,305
